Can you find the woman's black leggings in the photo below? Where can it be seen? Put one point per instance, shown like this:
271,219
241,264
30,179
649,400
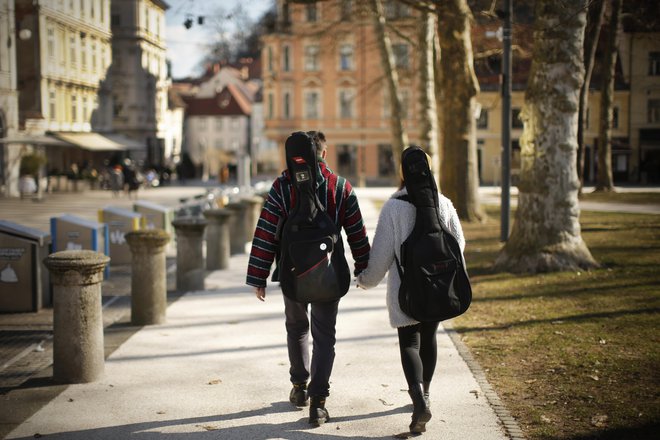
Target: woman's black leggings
419,351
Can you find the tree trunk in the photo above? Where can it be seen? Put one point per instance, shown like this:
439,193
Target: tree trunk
459,173
428,121
399,135
605,181
546,232
594,23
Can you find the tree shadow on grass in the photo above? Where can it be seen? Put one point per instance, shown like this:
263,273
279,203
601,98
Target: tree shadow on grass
647,431
214,427
569,318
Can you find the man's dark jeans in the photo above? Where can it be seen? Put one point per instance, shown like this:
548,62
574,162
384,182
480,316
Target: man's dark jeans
323,319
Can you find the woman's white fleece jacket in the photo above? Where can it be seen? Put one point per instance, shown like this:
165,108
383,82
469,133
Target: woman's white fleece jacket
395,223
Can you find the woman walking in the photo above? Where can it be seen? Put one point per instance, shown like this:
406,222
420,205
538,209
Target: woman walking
417,340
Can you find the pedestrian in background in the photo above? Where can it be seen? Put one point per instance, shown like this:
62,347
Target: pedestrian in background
116,180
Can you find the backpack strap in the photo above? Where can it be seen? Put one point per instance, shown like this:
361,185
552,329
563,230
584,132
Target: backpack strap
405,198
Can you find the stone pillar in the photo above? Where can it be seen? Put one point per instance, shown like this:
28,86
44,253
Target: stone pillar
78,353
217,238
148,275
237,228
253,211
189,253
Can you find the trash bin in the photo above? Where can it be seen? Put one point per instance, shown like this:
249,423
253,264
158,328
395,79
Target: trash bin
24,280
69,232
155,216
119,221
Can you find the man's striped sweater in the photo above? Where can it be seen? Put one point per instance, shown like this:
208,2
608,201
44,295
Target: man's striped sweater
338,197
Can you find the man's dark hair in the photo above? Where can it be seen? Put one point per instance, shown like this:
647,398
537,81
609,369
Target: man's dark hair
318,139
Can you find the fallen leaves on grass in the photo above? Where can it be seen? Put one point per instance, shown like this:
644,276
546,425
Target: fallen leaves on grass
599,420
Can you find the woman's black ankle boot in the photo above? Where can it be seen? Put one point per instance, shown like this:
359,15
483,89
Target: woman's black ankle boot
421,411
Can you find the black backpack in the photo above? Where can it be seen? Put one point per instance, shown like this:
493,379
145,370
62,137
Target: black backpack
434,280
312,266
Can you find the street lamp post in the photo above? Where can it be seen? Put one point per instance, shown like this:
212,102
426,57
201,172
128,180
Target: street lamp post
506,121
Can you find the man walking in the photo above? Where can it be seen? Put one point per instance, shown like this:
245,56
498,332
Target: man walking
337,196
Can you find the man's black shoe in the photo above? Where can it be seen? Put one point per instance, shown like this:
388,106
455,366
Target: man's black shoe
318,415
298,395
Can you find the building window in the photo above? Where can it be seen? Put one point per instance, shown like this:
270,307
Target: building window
85,109
586,118
346,57
201,123
312,101
346,104
615,117
346,160
405,103
52,105
83,53
401,58
311,13
482,120
102,12
115,20
92,48
385,160
234,124
61,42
72,51
51,42
74,108
271,106
654,110
654,63
219,124
394,10
516,122
286,104
312,58
270,59
346,9
103,62
82,8
621,163
286,59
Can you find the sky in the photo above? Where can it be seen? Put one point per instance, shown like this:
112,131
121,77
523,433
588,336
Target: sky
186,47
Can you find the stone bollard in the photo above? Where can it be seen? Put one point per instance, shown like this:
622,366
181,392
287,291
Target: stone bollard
253,211
237,228
189,253
148,275
217,238
78,352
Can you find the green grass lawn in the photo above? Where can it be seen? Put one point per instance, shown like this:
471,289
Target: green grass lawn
641,198
574,355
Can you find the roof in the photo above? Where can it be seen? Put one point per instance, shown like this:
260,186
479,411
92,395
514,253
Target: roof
230,101
174,100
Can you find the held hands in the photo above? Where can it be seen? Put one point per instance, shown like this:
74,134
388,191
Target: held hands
260,292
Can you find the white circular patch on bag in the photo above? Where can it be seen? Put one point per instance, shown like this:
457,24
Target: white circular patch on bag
323,246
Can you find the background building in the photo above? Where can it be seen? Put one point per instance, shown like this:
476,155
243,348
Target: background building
9,153
322,70
140,75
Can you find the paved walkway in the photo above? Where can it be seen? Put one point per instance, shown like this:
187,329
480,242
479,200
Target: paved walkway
218,369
